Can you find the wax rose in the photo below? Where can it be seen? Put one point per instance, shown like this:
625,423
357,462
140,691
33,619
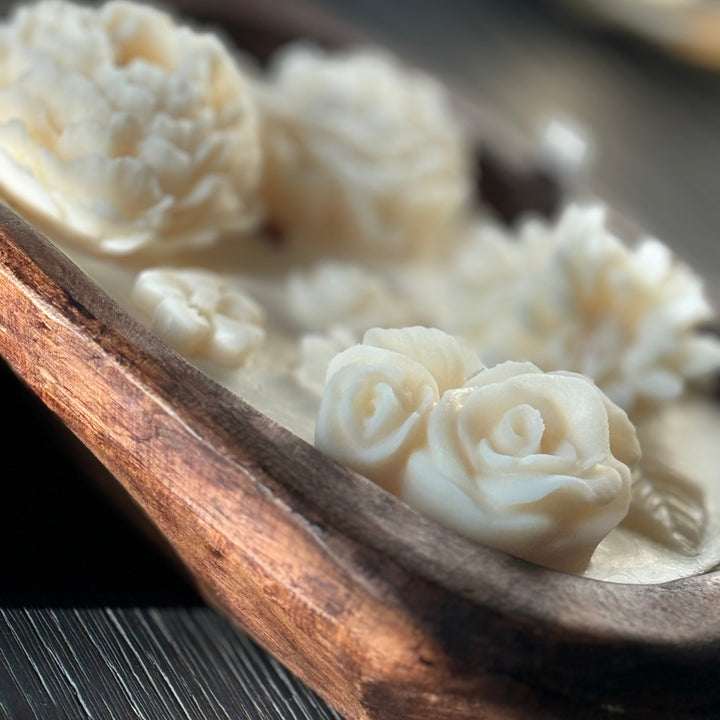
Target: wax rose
536,464
379,395
363,156
125,130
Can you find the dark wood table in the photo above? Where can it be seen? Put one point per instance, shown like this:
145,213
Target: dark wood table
97,623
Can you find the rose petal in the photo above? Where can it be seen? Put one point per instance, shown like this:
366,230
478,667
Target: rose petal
450,361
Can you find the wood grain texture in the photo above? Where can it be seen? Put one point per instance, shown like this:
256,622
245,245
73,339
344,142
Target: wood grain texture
383,612
77,584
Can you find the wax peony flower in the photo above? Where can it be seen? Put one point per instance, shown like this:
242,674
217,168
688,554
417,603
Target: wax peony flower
199,314
125,130
536,464
362,155
628,318
572,296
379,394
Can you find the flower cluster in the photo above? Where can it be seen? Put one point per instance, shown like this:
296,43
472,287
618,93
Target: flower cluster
130,134
536,464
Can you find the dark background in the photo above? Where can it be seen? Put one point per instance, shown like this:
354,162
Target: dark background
94,621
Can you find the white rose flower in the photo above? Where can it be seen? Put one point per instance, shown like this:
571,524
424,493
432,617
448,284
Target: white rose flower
334,294
123,129
379,394
536,464
198,314
360,153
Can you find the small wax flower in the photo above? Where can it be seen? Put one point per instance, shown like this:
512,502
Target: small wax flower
316,351
200,315
337,294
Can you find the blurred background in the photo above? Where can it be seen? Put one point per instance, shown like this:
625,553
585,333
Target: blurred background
634,82
639,78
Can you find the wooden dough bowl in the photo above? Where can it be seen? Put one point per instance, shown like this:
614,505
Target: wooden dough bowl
386,614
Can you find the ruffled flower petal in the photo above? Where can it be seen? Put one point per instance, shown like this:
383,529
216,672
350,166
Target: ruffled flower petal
125,130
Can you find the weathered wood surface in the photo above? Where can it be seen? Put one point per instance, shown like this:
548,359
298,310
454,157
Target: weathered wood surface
658,612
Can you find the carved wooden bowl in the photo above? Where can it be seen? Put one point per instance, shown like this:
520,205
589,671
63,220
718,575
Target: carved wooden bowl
385,613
